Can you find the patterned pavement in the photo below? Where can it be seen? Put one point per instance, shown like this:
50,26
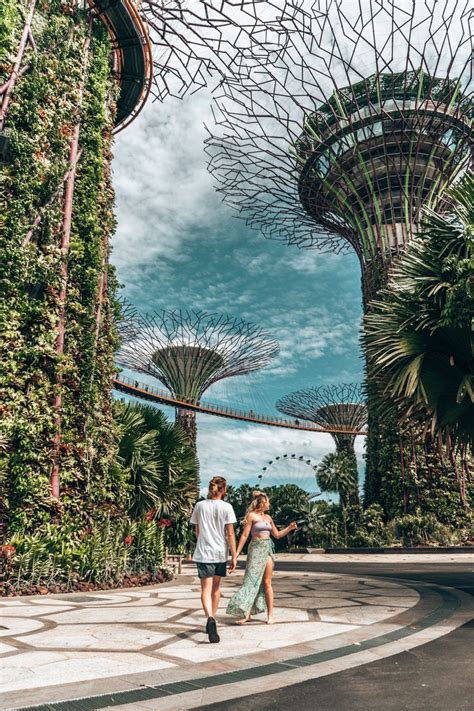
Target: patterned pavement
85,644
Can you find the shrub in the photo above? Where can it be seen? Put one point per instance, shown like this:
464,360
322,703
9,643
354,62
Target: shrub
420,529
104,555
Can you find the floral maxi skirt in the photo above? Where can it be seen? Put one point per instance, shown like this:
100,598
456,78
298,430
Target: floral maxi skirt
250,598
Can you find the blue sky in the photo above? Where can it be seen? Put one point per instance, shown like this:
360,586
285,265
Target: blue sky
178,245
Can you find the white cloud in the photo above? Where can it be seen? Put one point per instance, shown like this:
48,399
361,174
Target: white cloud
239,451
162,185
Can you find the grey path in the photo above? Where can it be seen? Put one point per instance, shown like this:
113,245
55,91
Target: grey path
437,676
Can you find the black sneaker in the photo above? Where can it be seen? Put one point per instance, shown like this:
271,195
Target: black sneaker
211,629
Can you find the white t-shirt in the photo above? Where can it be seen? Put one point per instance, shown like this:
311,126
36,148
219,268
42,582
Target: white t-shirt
212,515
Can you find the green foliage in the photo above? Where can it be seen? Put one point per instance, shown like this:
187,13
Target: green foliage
103,554
421,529
40,123
328,525
418,334
162,467
337,473
9,23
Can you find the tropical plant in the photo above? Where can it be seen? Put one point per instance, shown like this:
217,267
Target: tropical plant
161,465
421,529
103,554
337,474
418,334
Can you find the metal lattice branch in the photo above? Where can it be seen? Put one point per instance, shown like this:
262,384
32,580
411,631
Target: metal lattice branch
346,119
195,41
341,406
190,350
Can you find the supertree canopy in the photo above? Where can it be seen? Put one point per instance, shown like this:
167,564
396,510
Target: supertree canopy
341,406
188,351
347,119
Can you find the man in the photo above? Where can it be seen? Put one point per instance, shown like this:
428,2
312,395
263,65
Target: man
214,519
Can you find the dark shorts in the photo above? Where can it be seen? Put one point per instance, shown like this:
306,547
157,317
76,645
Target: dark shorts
209,570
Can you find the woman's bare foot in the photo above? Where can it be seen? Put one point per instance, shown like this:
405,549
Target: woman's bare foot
245,619
270,621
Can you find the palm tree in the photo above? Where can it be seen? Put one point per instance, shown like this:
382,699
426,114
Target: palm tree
162,467
337,474
419,333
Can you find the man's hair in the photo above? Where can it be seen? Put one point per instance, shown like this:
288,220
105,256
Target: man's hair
217,485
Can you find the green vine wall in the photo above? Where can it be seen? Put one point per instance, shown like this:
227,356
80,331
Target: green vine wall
40,122
406,471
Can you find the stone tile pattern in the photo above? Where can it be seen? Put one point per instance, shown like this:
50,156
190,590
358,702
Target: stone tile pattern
54,640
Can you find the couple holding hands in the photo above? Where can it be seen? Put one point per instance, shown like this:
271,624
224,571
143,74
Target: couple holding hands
214,520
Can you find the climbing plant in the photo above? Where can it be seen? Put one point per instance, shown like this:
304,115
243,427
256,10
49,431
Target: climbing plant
65,82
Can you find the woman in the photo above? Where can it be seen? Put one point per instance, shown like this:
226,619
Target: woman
256,593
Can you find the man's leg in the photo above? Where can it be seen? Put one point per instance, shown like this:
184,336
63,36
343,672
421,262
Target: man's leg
206,596
207,605
216,593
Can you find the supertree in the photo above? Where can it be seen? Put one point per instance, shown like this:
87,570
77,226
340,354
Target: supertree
341,406
188,351
347,120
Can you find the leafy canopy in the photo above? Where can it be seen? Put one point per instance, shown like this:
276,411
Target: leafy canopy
418,335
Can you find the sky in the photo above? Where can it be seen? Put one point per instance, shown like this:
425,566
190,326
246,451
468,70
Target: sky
179,246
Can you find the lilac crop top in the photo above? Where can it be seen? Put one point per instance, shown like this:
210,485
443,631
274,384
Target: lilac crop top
261,527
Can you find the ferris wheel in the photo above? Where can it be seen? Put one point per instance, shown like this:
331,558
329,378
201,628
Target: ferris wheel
290,469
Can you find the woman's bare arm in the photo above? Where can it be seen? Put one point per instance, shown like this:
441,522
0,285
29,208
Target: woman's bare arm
284,531
244,535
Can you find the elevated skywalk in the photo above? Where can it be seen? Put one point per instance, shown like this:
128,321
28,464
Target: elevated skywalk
133,62
144,391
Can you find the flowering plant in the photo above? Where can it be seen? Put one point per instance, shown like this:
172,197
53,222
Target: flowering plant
7,551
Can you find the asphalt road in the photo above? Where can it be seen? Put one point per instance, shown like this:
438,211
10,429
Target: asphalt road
438,676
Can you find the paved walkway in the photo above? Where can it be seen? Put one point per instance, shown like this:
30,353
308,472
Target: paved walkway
145,648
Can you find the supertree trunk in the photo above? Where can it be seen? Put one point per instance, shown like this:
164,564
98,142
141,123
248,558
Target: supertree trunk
7,88
345,448
187,420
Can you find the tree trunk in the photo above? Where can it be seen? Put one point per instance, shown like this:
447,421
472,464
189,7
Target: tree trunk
187,420
65,242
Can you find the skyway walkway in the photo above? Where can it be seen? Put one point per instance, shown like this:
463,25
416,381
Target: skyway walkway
148,392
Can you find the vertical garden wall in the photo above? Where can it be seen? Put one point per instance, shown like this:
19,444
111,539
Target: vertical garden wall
57,299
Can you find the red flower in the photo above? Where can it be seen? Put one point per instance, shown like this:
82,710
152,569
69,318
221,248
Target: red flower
128,540
7,551
150,515
165,522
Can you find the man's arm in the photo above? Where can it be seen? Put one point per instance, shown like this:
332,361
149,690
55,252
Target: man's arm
230,534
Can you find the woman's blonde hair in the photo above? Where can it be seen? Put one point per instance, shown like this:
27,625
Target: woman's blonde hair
259,501
217,485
